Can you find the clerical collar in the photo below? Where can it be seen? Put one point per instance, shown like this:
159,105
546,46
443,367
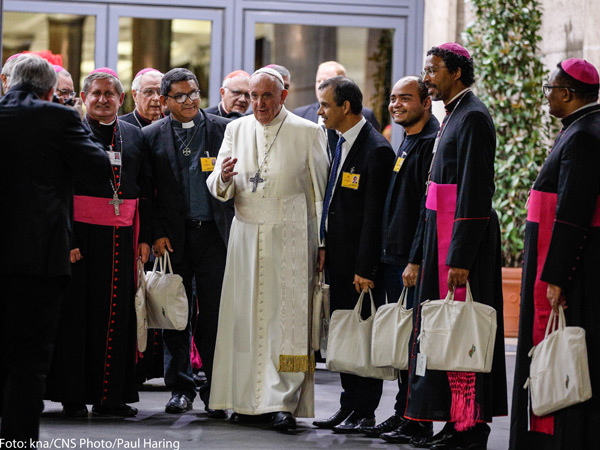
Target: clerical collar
578,113
452,103
96,122
191,124
140,118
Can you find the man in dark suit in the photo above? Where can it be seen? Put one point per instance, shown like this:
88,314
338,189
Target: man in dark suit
44,147
189,223
352,227
326,70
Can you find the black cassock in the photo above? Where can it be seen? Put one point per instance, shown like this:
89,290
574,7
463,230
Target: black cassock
95,353
465,158
571,178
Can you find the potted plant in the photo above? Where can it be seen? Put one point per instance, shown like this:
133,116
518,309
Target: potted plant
504,39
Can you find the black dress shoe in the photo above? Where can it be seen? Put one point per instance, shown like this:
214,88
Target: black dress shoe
408,430
114,411
216,413
448,433
179,404
472,439
327,424
74,410
390,424
283,421
353,423
247,418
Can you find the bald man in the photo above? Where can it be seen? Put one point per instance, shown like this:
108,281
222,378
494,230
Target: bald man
145,90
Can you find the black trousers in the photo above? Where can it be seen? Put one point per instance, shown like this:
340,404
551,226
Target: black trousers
359,394
203,260
29,310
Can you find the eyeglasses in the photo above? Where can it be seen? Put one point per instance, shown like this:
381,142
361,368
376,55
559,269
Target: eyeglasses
65,93
431,70
151,92
246,95
546,88
182,98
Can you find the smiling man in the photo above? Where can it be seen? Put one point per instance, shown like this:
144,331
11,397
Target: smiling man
410,107
94,358
273,164
458,241
189,223
145,90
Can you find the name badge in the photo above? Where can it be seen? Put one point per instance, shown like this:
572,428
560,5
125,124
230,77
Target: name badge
114,157
399,163
350,180
208,164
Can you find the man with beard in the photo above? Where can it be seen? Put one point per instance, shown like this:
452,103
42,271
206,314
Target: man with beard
458,240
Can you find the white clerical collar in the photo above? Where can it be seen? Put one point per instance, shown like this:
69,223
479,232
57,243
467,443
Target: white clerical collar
352,133
183,125
458,95
589,105
110,124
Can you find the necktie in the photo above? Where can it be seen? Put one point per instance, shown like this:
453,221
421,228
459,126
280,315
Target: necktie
331,183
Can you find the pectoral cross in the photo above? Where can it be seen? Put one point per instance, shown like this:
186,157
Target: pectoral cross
255,180
116,201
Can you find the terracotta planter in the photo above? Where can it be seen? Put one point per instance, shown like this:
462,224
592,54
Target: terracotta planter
511,289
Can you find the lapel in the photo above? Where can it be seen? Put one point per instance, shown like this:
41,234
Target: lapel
314,117
167,132
208,132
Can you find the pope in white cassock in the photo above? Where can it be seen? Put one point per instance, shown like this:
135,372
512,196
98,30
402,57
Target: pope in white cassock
274,164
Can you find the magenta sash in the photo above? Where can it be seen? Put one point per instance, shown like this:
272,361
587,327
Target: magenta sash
441,198
97,211
542,210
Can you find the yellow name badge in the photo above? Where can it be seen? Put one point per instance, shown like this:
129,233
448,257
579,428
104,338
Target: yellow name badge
208,164
399,163
350,180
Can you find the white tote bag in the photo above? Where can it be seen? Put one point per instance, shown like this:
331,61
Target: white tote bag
392,329
141,313
559,375
349,343
458,336
320,315
167,302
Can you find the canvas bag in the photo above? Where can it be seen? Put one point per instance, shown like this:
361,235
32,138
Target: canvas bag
559,375
458,336
349,343
392,329
141,313
167,302
320,315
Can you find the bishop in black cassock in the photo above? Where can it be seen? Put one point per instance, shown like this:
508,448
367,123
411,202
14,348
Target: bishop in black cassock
94,360
562,258
458,240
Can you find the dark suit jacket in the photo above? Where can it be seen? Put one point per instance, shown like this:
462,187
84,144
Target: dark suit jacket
353,239
310,112
44,147
169,204
219,111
